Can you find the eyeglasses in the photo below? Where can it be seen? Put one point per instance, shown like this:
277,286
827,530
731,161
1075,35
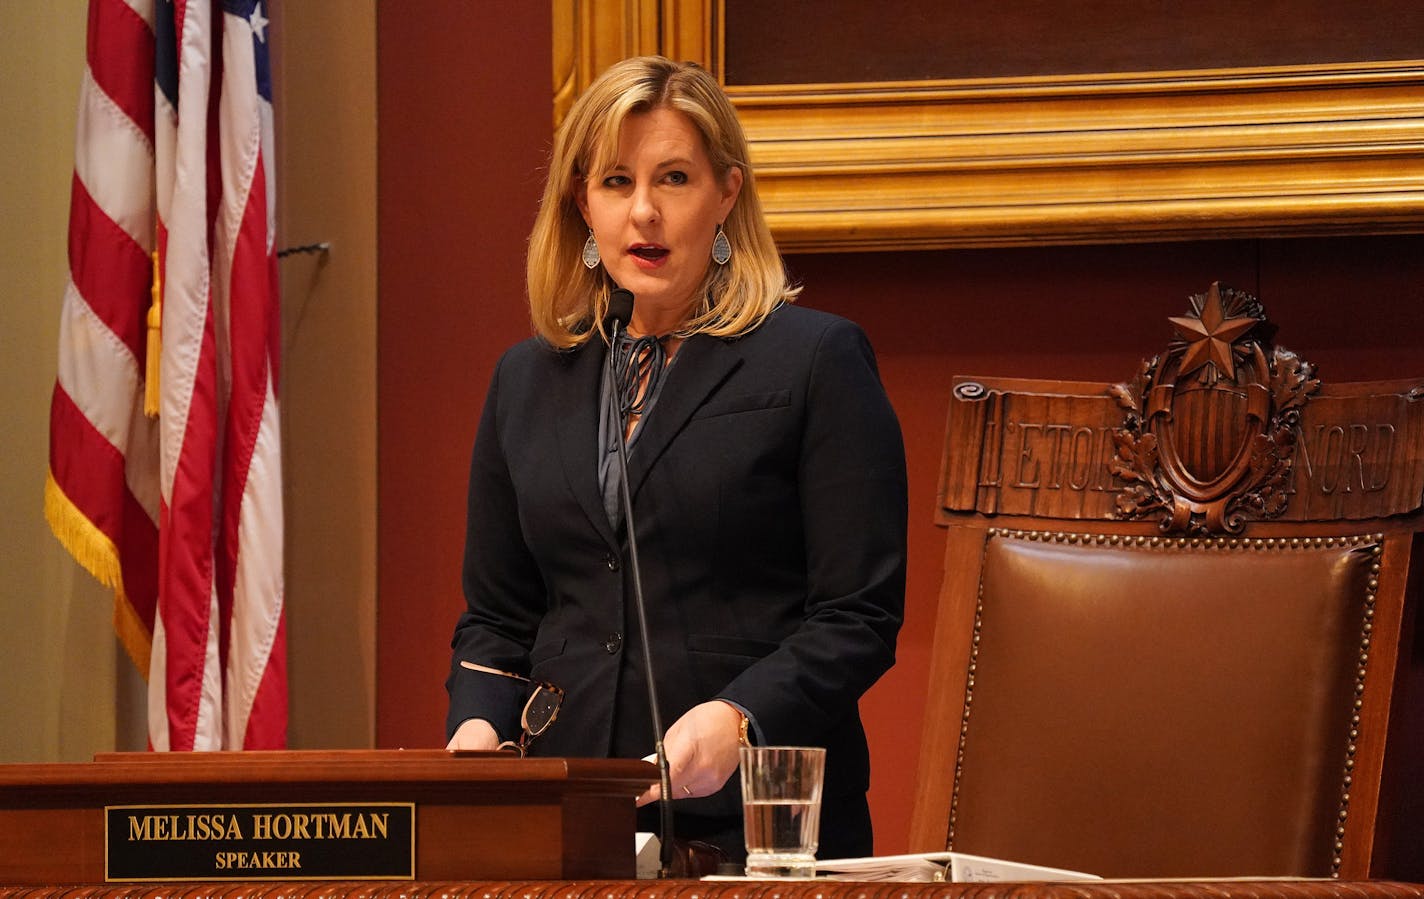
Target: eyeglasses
540,709
539,712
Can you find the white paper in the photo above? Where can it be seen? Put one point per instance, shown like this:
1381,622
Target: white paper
929,866
957,867
648,852
978,869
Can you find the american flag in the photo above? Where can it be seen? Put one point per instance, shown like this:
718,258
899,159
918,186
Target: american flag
181,515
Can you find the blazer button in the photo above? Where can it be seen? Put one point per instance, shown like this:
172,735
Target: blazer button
612,643
611,561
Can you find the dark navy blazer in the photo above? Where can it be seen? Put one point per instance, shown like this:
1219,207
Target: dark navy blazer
769,492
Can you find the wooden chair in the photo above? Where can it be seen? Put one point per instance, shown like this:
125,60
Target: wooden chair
1176,629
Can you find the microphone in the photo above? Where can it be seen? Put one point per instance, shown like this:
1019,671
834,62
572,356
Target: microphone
620,311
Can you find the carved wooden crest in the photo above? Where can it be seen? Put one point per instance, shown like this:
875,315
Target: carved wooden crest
1222,428
1221,376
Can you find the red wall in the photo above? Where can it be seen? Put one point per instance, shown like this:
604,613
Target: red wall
464,122
464,93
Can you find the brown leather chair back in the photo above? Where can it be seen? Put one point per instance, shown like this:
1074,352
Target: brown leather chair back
1175,634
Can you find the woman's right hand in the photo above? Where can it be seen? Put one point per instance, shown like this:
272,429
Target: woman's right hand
474,733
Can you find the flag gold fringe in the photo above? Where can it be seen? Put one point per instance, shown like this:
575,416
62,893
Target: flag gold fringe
92,549
155,343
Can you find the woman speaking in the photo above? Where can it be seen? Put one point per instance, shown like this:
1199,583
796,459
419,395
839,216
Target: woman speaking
765,468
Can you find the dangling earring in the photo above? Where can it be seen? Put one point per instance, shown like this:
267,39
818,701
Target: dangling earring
721,247
590,252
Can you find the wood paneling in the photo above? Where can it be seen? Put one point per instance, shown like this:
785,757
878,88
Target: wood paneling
785,42
1232,147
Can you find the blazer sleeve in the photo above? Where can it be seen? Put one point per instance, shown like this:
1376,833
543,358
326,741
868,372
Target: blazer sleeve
504,592
853,505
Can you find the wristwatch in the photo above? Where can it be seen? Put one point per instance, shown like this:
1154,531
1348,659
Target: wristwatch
744,731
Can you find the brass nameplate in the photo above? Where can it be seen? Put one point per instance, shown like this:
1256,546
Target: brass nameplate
302,841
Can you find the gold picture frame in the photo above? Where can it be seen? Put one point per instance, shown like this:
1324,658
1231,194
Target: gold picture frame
1103,158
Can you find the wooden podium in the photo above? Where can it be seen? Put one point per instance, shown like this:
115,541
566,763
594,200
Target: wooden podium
474,816
486,826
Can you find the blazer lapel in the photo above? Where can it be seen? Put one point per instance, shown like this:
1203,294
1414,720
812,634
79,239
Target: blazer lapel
703,363
576,405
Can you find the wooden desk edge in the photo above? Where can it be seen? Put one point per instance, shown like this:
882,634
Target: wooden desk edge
693,889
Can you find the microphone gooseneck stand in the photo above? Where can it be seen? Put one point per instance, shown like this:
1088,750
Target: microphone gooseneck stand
620,311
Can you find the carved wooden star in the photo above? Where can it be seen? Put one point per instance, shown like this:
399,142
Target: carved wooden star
1209,336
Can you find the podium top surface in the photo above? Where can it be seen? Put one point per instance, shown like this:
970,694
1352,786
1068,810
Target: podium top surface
321,767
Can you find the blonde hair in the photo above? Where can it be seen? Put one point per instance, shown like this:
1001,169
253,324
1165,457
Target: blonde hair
567,301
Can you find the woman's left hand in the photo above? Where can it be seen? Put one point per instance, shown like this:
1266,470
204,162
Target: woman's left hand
701,749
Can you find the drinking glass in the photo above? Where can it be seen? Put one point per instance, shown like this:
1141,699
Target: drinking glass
781,806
